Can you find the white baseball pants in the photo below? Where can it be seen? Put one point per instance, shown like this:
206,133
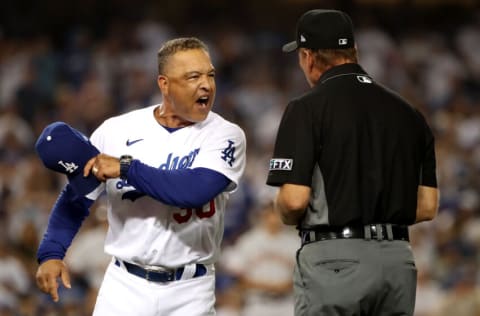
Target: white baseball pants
124,294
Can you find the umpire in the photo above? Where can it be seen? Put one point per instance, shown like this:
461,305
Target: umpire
355,164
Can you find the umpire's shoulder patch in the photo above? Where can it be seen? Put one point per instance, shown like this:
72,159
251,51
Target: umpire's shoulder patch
281,164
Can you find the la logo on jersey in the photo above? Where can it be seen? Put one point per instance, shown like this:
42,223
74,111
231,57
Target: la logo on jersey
228,154
70,167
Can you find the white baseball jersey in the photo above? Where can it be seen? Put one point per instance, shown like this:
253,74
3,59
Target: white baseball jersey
146,231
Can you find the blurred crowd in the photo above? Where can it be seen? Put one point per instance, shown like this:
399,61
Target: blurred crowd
86,78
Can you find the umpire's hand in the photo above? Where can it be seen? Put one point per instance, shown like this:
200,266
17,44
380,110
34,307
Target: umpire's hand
48,273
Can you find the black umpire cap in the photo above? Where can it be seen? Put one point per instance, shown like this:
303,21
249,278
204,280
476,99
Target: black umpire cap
323,29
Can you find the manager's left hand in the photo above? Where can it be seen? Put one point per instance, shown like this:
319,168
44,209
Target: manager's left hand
103,167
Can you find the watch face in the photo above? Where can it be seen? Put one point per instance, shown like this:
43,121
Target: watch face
125,161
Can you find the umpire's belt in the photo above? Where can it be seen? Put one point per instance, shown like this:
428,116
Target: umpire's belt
161,274
368,232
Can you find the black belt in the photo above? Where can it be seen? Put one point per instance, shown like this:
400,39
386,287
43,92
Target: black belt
161,275
368,232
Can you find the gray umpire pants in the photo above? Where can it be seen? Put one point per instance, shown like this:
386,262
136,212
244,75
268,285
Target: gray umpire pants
346,277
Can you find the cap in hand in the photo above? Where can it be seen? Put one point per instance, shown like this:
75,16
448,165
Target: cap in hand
66,150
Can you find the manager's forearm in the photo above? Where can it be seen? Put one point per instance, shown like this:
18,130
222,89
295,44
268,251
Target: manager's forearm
181,187
65,220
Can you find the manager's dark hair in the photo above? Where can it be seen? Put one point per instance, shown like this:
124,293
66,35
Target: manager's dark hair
170,47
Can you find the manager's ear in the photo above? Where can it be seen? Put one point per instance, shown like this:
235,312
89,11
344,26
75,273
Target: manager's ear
162,82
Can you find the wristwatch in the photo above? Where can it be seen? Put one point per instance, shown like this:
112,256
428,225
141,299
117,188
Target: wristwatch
125,161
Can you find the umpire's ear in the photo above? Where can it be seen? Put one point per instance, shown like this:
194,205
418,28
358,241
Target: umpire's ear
162,82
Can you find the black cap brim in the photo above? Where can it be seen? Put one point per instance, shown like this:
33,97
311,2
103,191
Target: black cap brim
290,47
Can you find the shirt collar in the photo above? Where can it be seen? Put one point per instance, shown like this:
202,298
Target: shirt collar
342,69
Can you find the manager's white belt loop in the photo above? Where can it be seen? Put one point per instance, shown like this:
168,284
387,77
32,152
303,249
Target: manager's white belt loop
210,268
188,271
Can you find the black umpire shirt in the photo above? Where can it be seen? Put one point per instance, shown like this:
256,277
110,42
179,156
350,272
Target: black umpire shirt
361,148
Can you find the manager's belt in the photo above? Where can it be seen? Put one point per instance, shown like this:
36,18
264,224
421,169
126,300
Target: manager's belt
161,275
368,232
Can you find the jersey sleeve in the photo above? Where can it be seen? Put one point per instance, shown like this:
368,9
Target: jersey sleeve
98,140
98,137
294,153
66,218
224,152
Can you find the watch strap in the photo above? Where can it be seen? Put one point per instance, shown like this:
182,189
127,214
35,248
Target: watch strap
125,161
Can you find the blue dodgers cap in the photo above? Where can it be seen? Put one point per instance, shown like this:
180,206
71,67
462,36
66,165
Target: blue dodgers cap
66,150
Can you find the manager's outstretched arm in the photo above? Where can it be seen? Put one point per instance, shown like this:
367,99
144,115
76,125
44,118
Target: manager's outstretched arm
180,187
65,220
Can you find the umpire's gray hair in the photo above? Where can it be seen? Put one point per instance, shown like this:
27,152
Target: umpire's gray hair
175,45
327,57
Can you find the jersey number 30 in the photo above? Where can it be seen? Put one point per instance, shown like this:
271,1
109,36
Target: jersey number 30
199,212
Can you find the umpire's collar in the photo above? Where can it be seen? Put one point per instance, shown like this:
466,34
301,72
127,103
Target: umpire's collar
340,70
